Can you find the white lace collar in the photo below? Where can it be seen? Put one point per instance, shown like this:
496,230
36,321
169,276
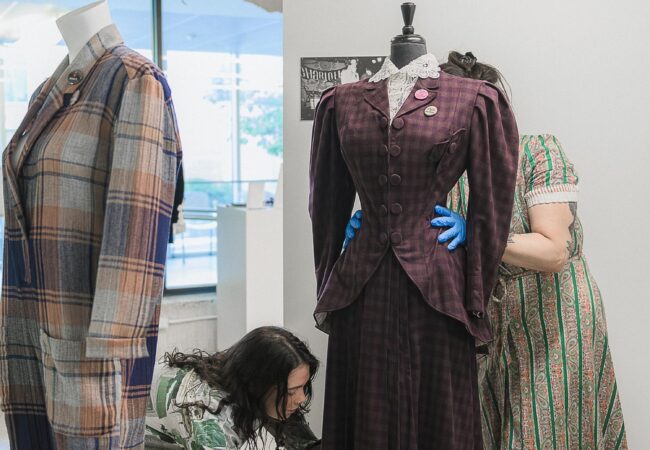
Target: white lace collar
426,66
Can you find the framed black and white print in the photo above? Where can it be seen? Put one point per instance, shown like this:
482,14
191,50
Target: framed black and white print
320,73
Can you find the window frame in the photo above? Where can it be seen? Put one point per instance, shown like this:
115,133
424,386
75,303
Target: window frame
158,59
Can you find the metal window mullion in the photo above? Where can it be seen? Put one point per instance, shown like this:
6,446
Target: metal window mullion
156,17
236,130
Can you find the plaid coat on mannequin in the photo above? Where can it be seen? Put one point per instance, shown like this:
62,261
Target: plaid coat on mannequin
88,210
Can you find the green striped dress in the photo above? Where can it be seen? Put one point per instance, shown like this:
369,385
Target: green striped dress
548,381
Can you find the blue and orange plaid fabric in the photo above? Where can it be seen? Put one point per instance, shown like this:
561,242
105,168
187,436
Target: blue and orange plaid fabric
88,208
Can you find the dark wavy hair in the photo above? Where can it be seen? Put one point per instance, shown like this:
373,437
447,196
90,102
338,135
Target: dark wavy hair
248,371
467,66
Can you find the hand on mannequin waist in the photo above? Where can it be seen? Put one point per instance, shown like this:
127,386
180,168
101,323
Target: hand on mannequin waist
457,231
353,225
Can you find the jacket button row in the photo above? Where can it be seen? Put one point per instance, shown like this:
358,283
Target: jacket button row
395,179
398,123
383,179
383,211
396,209
395,238
383,122
394,150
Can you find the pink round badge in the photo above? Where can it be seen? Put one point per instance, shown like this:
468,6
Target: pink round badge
421,94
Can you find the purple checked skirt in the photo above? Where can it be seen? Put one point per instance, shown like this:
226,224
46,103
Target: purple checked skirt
400,375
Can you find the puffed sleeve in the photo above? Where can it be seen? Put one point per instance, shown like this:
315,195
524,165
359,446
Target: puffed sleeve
332,192
549,175
491,172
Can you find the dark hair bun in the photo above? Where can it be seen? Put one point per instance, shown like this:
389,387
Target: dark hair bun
467,66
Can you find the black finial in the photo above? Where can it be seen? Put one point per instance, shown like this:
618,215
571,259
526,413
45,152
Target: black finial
407,46
408,11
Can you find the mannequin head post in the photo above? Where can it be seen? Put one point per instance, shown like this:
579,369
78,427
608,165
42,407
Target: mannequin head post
407,46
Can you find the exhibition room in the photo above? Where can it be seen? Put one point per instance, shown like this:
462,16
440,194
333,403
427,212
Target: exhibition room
324,225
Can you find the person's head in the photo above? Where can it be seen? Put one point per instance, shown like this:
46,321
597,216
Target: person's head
266,375
467,66
275,368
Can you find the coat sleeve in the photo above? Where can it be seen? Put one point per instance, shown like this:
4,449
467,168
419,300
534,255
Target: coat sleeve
491,172
332,192
145,158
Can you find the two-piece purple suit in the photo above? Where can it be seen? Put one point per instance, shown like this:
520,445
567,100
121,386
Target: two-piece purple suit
401,310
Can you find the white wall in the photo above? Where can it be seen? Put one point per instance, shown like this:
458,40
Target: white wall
188,323
578,69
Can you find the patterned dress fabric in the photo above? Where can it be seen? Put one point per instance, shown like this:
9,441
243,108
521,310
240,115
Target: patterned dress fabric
548,381
88,210
185,411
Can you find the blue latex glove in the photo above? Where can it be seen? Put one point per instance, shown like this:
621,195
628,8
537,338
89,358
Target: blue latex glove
457,230
353,225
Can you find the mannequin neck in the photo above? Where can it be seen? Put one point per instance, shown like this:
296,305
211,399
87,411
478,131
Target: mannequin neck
78,26
402,53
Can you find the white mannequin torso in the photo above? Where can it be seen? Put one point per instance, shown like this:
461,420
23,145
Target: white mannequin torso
76,27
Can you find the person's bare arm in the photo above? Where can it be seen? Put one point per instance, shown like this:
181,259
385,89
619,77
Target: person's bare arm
547,247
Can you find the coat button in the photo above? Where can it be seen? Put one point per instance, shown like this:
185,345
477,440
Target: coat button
396,209
383,122
395,150
383,179
453,146
383,211
398,123
383,238
395,179
75,77
395,238
383,151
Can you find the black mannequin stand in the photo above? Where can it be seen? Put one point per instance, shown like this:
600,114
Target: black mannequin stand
407,46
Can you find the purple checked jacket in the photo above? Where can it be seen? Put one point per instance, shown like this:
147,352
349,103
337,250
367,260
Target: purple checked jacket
401,170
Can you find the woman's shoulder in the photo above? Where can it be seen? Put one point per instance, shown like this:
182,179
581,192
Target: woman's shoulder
544,154
539,145
174,387
164,387
196,391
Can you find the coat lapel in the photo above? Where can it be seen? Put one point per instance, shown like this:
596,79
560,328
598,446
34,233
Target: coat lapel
412,103
67,79
377,96
25,126
51,103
